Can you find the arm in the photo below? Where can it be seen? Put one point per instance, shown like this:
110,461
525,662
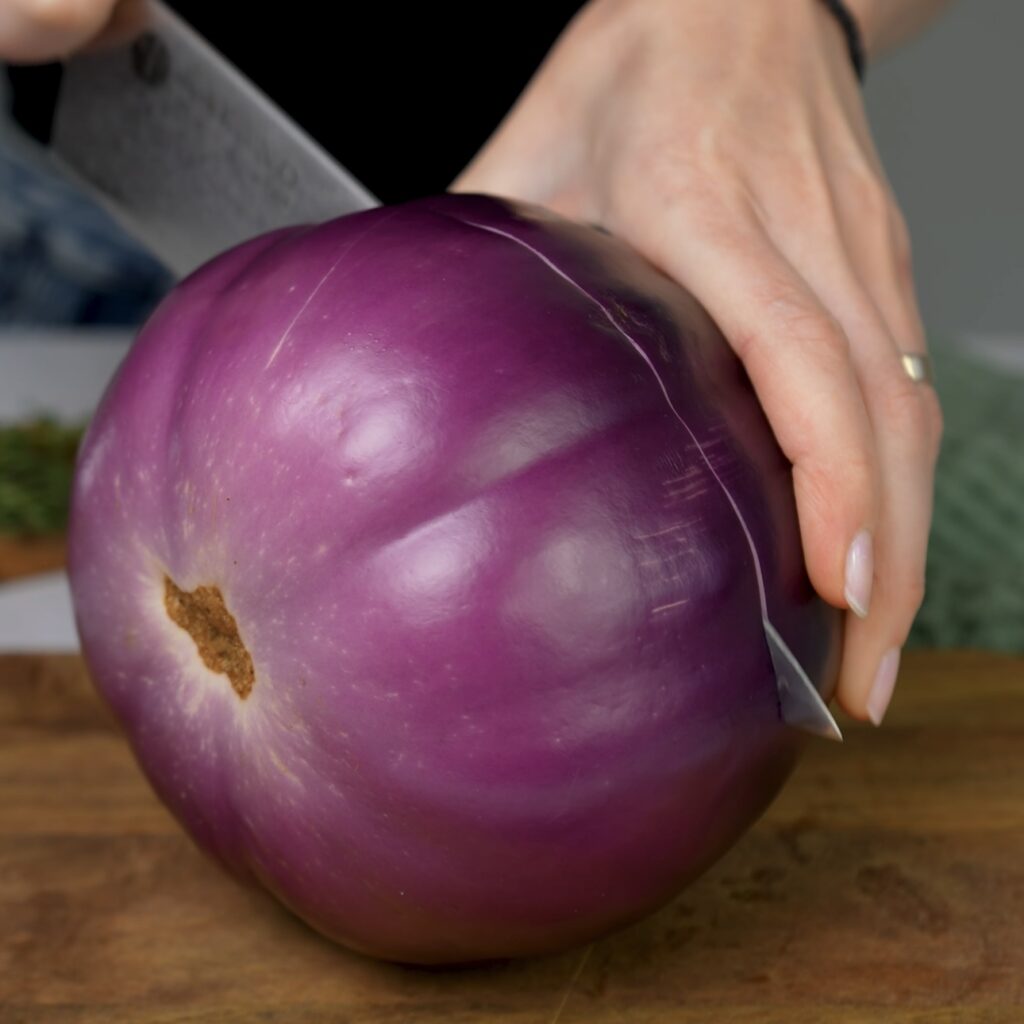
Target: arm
728,143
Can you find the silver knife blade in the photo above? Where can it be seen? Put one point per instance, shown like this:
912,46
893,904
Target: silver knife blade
186,153
802,705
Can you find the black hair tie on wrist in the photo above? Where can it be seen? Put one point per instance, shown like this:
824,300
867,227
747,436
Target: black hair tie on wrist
854,40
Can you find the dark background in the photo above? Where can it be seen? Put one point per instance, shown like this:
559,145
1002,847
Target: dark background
402,96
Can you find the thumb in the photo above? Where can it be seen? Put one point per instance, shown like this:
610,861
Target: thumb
36,31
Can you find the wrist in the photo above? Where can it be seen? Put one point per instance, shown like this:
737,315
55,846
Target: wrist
847,24
869,15
887,23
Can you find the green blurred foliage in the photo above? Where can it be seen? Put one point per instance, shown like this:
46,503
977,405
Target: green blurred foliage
36,464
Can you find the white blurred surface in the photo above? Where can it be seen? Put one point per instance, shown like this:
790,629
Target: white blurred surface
1003,352
60,372
36,615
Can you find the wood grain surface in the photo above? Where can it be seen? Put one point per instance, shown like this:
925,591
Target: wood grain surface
886,884
25,556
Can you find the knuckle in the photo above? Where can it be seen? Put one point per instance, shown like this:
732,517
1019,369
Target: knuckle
826,483
812,189
868,194
695,174
792,327
625,207
712,152
808,326
659,167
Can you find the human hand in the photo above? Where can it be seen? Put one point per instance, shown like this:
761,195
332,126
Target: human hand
728,143
34,31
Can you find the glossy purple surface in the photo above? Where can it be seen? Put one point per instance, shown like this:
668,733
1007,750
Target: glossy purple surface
512,687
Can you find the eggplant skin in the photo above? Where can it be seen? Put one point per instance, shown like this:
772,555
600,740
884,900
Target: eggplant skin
409,551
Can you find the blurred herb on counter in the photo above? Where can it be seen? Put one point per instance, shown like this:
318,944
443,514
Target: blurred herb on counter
36,463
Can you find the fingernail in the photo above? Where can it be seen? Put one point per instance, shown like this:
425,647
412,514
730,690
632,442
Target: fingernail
860,570
882,687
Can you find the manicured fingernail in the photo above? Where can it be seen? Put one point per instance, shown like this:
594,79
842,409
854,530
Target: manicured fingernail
860,570
882,687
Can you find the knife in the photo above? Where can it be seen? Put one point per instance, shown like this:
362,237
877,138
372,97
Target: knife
191,158
184,151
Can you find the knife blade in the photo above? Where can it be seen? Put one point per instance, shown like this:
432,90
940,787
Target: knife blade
191,158
801,704
184,151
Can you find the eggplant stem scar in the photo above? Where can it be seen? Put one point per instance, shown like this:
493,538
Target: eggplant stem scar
203,614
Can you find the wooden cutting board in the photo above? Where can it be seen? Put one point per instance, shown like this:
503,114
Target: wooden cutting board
24,556
886,884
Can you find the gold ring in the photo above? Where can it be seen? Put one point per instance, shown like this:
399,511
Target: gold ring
918,367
